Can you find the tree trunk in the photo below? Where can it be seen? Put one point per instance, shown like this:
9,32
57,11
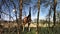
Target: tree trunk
15,14
49,19
49,14
20,16
54,16
38,16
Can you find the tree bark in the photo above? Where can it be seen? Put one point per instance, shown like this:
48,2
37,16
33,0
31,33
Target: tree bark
37,32
20,16
49,19
54,16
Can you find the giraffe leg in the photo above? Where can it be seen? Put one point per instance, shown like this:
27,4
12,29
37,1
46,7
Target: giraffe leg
29,28
23,28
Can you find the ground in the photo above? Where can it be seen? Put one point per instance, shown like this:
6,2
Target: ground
42,30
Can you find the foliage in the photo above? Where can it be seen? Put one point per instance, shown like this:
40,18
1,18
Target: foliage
42,30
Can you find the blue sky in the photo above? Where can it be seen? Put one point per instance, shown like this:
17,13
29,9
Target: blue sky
43,10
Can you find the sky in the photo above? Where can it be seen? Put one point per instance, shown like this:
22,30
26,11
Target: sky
43,10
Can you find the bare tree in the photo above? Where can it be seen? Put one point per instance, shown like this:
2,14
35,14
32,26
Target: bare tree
20,15
54,9
38,16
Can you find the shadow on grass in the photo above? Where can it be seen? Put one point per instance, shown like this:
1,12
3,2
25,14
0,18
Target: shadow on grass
42,30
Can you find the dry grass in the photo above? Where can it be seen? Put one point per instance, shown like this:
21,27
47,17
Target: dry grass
10,25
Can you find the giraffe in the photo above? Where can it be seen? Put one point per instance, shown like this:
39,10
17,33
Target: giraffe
27,19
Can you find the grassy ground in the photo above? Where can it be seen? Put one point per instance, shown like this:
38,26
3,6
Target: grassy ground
42,30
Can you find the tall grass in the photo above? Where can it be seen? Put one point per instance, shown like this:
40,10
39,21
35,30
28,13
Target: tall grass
42,30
